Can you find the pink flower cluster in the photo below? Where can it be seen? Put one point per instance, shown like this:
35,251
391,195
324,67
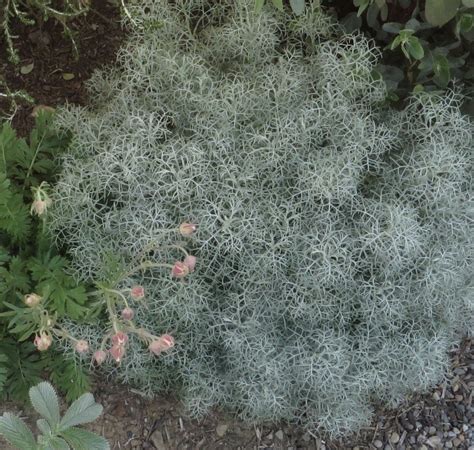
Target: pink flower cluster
183,268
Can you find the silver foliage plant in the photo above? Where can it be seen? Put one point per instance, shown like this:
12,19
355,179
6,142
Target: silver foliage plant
334,243
56,432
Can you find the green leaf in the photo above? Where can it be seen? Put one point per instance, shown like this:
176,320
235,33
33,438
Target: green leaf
57,443
363,5
297,6
4,362
439,12
16,432
415,48
66,296
465,23
468,3
44,400
44,427
395,43
25,368
69,376
278,4
85,440
441,70
83,410
259,5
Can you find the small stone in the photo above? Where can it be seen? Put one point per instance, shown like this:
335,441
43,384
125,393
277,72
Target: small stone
378,444
459,398
451,434
306,437
157,439
448,444
279,435
436,396
418,425
221,429
434,441
423,447
432,430
387,447
457,442
465,427
394,437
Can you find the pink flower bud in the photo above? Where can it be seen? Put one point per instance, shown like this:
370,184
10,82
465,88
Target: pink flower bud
40,206
81,346
99,356
119,338
190,261
43,342
127,314
32,300
137,292
161,344
179,270
117,352
187,229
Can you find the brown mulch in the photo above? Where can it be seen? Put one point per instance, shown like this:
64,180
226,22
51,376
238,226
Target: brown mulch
98,36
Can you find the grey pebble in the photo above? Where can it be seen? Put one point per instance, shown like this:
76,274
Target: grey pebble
378,444
394,437
434,441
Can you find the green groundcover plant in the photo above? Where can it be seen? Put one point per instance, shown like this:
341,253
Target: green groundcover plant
36,291
56,432
333,252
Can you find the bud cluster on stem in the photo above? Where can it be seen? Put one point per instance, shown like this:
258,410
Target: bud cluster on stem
120,313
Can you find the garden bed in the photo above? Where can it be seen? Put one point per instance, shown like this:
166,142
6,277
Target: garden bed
440,419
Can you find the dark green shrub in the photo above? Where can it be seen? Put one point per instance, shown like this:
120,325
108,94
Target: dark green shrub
35,289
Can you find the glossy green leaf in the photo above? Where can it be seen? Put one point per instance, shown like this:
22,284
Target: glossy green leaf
297,6
441,70
278,4
414,48
259,5
440,12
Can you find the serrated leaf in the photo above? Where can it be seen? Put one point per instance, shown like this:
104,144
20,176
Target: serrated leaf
80,439
440,12
4,362
83,410
44,400
43,426
16,432
278,4
297,6
57,443
69,376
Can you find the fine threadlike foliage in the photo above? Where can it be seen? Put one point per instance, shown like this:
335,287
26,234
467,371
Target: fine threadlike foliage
334,248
